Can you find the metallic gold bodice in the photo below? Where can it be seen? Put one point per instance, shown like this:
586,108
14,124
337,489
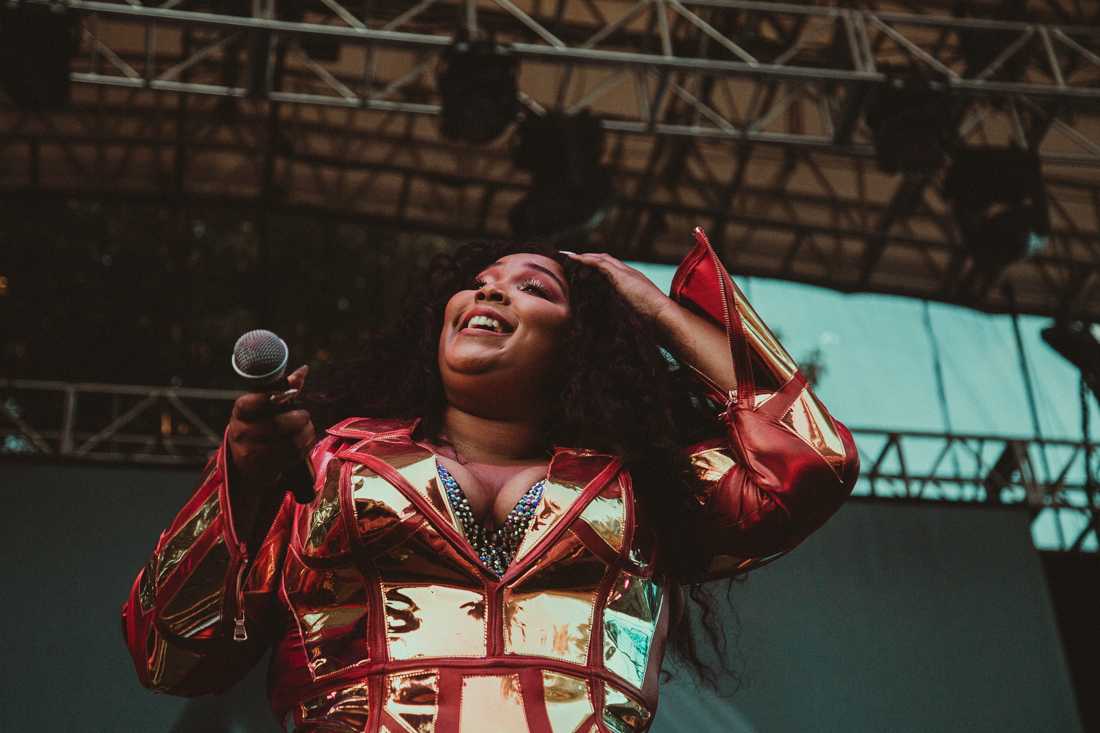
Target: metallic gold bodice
380,581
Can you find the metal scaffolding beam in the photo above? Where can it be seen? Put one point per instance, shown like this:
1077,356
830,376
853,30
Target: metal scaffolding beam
747,116
144,425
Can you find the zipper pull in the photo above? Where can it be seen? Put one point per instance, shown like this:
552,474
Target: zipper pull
240,631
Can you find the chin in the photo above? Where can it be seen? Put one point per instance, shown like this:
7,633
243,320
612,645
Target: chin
469,364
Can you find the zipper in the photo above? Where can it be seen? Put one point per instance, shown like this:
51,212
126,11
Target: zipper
725,293
731,395
240,631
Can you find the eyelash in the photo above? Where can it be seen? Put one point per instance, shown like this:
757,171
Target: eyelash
534,285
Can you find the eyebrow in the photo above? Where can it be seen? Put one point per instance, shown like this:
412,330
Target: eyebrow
536,266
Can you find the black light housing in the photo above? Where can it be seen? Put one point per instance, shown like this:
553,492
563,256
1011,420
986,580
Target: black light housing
1078,343
909,124
999,203
571,189
477,83
37,44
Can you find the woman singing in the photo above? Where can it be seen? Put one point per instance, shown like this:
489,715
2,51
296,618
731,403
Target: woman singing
519,487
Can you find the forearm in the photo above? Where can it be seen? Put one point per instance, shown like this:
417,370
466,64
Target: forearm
698,342
178,621
253,507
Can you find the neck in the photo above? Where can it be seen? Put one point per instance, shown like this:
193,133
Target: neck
490,440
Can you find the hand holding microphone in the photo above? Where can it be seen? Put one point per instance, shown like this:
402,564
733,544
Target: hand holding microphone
269,435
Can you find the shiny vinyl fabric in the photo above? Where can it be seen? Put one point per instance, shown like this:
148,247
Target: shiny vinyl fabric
383,618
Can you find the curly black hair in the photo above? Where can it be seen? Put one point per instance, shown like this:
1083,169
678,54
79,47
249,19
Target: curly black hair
621,393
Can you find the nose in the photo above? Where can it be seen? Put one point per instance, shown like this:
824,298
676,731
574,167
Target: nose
490,292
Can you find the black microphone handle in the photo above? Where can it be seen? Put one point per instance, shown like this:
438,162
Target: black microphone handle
299,479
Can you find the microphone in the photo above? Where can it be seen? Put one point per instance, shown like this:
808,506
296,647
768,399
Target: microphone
259,359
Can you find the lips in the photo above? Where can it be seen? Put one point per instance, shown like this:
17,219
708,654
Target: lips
486,320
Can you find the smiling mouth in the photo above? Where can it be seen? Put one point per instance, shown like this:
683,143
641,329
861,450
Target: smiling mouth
487,325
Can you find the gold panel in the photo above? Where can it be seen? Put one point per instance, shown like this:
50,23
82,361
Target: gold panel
622,714
557,499
411,699
147,588
324,532
197,605
711,464
434,621
568,475
606,515
426,558
550,612
169,665
763,341
492,704
344,709
808,420
568,703
330,607
629,624
418,467
379,505
184,539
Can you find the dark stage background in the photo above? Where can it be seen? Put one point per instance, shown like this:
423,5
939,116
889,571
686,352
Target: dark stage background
892,618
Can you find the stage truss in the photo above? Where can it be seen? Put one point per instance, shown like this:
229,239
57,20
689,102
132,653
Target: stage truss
166,426
743,117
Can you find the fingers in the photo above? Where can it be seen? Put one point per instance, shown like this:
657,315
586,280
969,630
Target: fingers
288,423
252,407
297,378
256,406
601,260
305,439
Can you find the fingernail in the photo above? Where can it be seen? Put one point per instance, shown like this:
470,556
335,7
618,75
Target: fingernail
567,252
280,398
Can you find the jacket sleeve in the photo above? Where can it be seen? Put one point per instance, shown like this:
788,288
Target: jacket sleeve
203,611
784,465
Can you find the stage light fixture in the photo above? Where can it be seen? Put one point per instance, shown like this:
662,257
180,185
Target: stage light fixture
909,124
1079,343
999,203
981,46
571,190
477,85
37,44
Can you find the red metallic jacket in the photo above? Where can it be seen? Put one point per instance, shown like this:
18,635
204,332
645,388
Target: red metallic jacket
383,618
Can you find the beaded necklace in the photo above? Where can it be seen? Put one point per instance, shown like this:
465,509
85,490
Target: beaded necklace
497,546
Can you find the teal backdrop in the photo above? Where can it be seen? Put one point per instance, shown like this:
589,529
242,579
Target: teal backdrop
892,618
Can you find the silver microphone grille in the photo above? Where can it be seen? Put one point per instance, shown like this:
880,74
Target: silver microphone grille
259,356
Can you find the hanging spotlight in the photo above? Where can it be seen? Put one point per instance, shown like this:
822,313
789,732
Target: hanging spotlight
37,43
999,204
1079,343
477,83
980,47
571,190
909,123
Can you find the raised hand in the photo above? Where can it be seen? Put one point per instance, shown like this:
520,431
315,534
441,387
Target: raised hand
694,340
634,287
265,441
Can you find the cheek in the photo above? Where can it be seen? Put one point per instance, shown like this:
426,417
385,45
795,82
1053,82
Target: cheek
453,308
553,325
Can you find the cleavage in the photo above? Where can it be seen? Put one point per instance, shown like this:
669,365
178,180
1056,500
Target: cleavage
493,491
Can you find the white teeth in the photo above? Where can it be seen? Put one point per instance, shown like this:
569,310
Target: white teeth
486,321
